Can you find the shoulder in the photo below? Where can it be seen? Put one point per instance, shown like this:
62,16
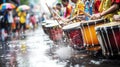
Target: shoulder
69,6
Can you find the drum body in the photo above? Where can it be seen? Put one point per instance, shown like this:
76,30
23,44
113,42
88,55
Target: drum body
43,27
54,31
109,38
88,31
73,32
49,23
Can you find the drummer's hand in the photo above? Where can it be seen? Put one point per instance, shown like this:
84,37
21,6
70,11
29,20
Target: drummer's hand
96,16
56,18
116,17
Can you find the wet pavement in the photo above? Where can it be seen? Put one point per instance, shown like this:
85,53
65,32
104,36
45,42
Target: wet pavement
37,50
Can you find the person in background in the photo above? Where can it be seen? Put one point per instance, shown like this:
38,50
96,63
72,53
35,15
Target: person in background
68,8
37,20
10,21
91,7
17,21
77,11
33,21
59,8
3,24
96,6
28,20
22,16
87,8
108,11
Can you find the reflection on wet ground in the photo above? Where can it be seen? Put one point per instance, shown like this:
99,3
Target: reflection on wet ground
37,50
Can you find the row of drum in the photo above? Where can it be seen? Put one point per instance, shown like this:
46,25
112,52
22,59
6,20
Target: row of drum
97,34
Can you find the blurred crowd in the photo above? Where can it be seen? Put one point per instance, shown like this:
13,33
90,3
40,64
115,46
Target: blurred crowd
14,22
77,10
68,11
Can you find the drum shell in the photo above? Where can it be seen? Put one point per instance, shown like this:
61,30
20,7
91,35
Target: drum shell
55,33
75,36
109,38
44,28
49,22
89,33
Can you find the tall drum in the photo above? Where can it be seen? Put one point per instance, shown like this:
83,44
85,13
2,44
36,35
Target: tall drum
54,31
109,38
73,33
89,33
47,23
43,27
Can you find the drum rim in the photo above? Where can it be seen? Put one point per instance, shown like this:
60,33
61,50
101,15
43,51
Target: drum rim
51,25
53,21
67,27
98,28
91,22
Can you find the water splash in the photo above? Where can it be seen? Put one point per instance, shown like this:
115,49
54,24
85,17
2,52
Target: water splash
64,52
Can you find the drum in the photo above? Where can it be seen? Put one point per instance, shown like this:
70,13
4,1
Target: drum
88,32
54,31
48,22
43,27
73,33
109,38
52,21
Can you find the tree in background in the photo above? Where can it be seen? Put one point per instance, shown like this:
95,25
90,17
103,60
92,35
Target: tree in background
24,2
59,1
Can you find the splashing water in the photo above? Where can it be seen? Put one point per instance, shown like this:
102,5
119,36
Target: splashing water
64,52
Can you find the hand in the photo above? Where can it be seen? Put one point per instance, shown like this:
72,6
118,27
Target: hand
116,17
56,18
96,16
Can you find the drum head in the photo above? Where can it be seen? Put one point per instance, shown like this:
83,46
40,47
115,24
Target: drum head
51,25
71,26
43,24
53,21
91,22
108,25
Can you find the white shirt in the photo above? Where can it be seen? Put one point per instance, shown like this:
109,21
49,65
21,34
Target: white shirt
10,17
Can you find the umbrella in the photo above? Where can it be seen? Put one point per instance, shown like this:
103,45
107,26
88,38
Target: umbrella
23,8
7,6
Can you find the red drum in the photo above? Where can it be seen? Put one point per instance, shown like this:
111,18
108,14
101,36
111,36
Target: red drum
109,38
54,31
73,32
47,23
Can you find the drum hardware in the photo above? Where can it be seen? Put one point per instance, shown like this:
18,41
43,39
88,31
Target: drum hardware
119,30
108,41
90,34
73,34
109,38
105,44
85,44
115,40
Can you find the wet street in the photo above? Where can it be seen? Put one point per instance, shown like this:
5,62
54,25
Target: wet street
35,56
36,51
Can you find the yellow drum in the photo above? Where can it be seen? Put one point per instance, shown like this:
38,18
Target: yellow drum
89,33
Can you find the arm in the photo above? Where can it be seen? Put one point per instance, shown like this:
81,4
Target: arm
113,8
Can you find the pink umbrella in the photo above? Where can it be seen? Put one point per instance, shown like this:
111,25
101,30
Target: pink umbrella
23,7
